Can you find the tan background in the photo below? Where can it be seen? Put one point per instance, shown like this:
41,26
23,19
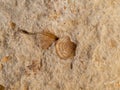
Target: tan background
94,25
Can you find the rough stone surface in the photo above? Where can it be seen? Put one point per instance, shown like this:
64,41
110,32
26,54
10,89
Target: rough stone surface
94,25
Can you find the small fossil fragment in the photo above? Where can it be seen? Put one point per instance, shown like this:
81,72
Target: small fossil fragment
1,66
47,39
34,66
65,48
2,87
26,32
25,87
12,25
5,59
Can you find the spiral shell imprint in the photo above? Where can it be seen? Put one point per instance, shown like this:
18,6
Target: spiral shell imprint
47,39
65,48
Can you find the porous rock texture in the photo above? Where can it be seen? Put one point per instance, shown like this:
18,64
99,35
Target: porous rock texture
94,25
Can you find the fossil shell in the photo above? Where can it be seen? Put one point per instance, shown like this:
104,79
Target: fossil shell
65,48
47,39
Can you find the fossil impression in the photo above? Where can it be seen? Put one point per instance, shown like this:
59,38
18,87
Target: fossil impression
47,39
65,48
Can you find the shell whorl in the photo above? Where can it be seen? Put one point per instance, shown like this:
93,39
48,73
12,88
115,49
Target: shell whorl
65,48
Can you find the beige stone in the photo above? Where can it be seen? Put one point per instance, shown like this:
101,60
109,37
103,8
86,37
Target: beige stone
93,25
